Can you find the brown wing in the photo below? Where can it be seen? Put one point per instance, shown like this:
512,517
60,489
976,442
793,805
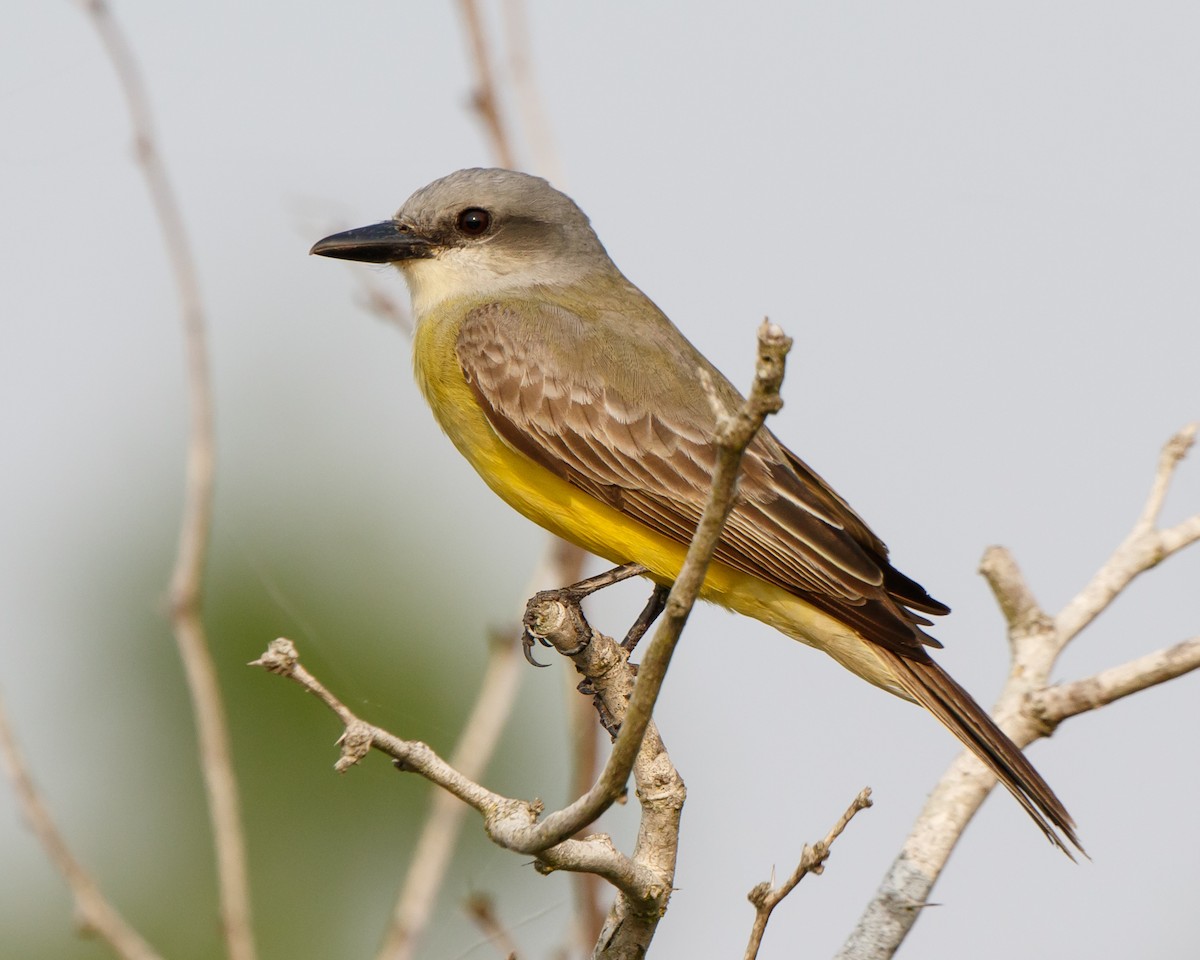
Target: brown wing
629,423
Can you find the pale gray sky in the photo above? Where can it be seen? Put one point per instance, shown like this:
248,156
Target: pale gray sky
980,226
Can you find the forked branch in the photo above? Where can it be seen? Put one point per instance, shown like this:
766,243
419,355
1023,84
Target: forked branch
812,860
1029,708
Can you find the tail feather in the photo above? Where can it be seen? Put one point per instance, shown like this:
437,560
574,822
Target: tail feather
938,693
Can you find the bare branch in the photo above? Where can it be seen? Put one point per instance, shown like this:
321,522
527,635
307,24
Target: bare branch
187,576
282,658
643,893
1027,709
1173,452
1030,628
431,857
1016,600
635,914
1181,535
1057,703
484,98
812,860
481,733
509,822
95,914
1144,548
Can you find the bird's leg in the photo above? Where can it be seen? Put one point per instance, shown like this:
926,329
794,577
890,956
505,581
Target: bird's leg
589,586
654,606
571,597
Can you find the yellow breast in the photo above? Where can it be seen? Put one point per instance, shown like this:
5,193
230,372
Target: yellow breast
533,491
571,514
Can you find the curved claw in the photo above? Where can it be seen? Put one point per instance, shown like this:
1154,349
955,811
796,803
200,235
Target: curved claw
527,640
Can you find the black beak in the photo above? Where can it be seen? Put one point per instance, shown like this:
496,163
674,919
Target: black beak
384,242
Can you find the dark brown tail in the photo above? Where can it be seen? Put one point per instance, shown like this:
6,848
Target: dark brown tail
938,693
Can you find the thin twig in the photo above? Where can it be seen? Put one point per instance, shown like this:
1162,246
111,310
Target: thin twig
584,752
359,737
477,744
95,914
440,831
1055,704
484,99
812,860
187,575
1020,607
1143,549
1181,535
508,821
1169,458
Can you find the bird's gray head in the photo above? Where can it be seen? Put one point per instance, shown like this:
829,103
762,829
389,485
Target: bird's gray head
478,232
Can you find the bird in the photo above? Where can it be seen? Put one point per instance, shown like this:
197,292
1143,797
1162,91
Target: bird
582,406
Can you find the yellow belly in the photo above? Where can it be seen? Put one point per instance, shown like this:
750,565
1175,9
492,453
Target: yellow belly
571,514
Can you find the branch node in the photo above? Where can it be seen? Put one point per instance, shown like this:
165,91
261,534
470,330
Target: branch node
557,621
759,893
766,897
1021,610
280,657
1179,445
1033,706
355,742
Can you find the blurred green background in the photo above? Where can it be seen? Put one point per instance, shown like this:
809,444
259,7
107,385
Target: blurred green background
109,736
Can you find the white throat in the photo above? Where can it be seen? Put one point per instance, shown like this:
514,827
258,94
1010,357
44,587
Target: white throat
472,273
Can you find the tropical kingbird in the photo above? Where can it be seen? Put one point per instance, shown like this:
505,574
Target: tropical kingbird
582,406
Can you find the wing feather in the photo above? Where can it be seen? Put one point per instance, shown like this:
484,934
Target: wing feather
635,433
627,422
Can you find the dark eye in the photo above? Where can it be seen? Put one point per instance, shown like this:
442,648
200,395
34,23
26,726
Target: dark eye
474,221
